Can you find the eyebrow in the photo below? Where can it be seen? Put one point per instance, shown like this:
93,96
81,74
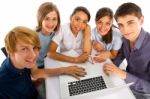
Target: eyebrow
21,46
130,21
119,23
81,18
127,22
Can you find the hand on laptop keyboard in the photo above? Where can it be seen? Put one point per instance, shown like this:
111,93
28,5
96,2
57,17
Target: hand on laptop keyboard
74,71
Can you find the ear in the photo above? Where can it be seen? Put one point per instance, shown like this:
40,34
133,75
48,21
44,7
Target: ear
95,22
142,20
70,18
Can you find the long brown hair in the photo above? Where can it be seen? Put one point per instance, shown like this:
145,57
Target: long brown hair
43,10
105,12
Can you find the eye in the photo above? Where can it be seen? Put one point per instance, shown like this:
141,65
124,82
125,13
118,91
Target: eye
54,19
108,24
99,22
77,19
120,25
85,22
24,49
47,19
35,48
130,23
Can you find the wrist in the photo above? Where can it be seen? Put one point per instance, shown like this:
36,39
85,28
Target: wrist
75,60
62,70
110,55
124,74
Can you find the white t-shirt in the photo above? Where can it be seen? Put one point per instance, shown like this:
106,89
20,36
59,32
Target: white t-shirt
67,41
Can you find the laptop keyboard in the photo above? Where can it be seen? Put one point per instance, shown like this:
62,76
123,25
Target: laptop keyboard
86,85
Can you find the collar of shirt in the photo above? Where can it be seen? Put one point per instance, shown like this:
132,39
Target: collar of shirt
96,33
10,67
51,34
139,41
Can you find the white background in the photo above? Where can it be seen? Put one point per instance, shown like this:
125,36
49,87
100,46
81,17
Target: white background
23,12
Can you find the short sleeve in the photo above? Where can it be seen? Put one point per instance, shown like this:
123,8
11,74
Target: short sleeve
58,37
117,39
93,38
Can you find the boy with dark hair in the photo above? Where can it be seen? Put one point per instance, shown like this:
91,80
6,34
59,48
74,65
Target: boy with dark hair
135,49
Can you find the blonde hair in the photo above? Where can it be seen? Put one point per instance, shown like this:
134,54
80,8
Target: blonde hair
23,34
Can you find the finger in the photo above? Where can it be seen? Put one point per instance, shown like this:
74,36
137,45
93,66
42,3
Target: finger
75,76
79,68
81,73
107,72
111,67
99,59
107,68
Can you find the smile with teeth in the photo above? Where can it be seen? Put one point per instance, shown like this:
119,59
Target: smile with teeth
102,31
51,27
77,29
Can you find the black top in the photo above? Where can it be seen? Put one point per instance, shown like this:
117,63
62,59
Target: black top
15,83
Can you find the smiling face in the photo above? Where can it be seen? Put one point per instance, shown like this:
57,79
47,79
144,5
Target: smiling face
78,21
25,55
130,26
22,45
49,23
103,25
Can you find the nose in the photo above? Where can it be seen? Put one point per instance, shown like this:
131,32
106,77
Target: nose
50,22
126,29
32,53
103,26
80,24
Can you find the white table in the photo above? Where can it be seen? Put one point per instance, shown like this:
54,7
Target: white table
53,87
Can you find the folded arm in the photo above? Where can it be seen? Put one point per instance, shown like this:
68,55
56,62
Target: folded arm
58,56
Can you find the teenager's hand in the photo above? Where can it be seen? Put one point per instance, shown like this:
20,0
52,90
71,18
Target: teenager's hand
87,29
74,71
98,46
82,58
110,68
102,56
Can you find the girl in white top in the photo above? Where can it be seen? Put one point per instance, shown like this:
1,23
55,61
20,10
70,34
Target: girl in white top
106,37
74,35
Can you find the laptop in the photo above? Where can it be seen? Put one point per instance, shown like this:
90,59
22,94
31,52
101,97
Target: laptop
93,84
